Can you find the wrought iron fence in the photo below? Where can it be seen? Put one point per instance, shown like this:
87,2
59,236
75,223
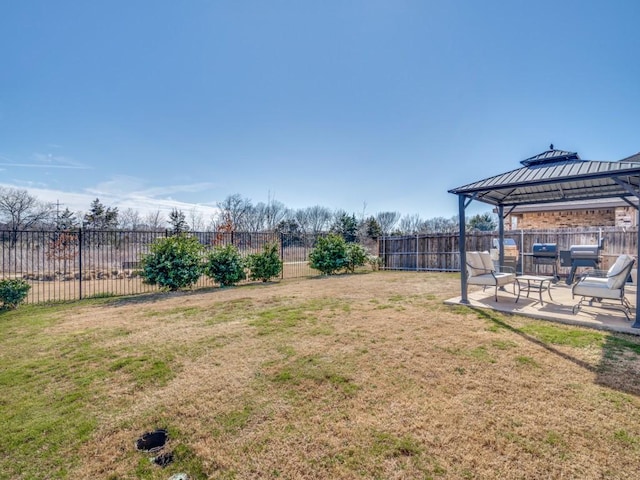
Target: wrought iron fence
71,265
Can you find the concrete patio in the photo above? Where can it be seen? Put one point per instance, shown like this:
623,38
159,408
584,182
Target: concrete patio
557,310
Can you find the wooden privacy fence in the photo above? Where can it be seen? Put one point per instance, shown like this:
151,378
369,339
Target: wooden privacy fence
441,251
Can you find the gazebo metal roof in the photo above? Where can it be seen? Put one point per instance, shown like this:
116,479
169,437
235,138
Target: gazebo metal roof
557,176
552,176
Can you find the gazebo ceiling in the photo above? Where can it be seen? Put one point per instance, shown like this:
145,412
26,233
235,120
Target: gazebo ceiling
557,176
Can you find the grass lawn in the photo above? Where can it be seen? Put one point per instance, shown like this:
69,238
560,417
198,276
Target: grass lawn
365,376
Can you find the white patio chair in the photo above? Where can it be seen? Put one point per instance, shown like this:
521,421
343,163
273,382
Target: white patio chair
481,271
605,285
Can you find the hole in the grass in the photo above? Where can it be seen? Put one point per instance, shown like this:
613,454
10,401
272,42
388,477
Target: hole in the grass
152,441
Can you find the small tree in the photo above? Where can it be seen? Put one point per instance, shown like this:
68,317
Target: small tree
372,228
178,222
63,246
66,220
357,256
290,234
101,217
329,255
173,262
225,265
483,222
345,225
266,265
13,291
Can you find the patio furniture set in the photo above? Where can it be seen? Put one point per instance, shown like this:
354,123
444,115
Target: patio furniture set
604,287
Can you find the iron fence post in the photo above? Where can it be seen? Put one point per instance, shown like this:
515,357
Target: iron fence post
80,261
282,254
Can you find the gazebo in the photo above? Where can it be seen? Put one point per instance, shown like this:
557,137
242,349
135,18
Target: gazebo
552,176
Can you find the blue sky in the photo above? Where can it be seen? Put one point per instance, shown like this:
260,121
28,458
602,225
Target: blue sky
355,105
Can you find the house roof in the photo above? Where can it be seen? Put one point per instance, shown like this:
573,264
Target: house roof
632,158
557,176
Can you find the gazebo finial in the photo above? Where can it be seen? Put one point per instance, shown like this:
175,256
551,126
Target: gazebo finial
551,147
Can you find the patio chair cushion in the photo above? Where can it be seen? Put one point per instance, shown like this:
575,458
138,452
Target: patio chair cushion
597,287
495,279
615,276
486,261
475,266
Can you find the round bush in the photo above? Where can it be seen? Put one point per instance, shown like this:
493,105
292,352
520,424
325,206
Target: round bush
173,262
225,265
329,255
266,265
357,256
13,291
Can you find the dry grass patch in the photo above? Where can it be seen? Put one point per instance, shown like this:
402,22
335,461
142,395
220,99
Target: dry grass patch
356,376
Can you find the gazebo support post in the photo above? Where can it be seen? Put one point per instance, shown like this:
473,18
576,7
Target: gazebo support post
463,250
636,324
501,235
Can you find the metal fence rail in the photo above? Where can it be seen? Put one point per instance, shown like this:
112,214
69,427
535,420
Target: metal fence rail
71,265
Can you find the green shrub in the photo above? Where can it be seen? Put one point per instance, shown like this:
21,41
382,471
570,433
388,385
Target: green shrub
357,256
375,262
225,265
13,291
329,255
266,265
173,262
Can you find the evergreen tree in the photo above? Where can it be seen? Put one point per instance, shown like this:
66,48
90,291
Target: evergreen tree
290,232
346,226
372,228
101,217
483,222
67,220
178,222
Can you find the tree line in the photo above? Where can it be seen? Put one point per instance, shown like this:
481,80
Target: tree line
20,210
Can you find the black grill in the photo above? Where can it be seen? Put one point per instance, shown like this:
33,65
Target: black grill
583,256
546,254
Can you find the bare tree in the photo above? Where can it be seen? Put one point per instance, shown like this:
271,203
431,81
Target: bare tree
196,220
255,218
130,219
154,221
410,224
300,216
315,219
22,211
387,220
233,211
440,225
215,222
275,213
